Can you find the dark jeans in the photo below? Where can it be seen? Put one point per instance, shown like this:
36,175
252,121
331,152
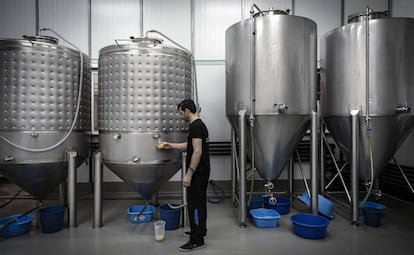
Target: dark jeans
197,199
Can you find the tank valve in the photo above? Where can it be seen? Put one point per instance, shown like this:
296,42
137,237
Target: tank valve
35,134
156,136
272,200
136,159
403,108
8,158
117,136
269,185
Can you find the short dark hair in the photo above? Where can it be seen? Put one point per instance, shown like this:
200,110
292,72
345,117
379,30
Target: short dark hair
187,104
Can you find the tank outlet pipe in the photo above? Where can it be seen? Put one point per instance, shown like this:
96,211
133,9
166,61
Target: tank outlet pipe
75,118
194,72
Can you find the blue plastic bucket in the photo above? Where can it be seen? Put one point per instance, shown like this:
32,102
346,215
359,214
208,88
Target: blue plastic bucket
51,218
309,226
170,216
325,206
265,218
255,202
19,227
371,205
146,215
372,216
282,205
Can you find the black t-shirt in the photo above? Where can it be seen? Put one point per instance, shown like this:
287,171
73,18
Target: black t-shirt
198,129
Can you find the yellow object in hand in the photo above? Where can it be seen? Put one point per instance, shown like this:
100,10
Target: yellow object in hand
160,146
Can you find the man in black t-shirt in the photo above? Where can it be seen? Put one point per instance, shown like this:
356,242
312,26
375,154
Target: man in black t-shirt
198,173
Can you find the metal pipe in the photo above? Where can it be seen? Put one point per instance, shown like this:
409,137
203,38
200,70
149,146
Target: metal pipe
367,118
61,194
242,169
141,16
192,27
252,69
336,175
390,8
184,189
97,197
90,32
314,163
233,166
322,156
37,17
337,168
354,168
72,188
290,178
403,174
303,175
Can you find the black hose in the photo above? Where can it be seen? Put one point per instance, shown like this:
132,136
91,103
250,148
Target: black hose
215,188
13,198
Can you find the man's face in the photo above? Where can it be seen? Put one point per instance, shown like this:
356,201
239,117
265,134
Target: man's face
184,114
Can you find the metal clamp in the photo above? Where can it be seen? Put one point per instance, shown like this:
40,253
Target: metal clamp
117,136
8,158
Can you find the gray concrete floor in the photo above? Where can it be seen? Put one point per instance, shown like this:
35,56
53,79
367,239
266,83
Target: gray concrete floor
119,236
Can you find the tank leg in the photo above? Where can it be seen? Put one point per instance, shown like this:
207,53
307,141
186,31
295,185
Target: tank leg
354,169
242,168
97,197
314,163
72,188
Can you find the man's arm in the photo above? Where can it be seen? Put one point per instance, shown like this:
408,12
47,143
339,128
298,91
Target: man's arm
177,146
195,159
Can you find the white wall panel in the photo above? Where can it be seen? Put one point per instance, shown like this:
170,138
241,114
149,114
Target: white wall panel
113,19
212,97
69,18
212,18
170,17
17,18
357,6
403,8
326,14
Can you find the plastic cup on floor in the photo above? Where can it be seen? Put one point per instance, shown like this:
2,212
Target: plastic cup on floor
159,229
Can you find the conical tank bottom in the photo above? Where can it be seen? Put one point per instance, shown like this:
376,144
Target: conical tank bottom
275,139
145,179
386,135
37,179
275,136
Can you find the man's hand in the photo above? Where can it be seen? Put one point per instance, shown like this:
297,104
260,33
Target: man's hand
187,179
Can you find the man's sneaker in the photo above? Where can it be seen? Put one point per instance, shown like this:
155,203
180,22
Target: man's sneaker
191,246
188,234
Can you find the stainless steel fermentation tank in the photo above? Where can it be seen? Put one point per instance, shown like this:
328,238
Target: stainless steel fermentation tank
140,85
271,73
383,95
39,86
